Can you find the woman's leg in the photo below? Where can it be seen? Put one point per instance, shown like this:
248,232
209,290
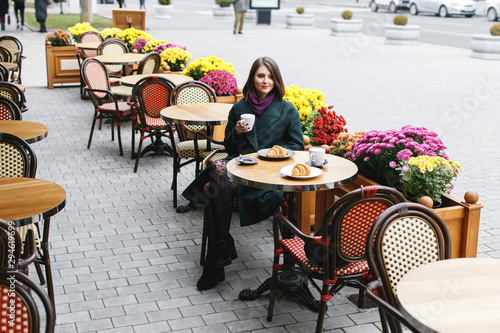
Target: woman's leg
21,9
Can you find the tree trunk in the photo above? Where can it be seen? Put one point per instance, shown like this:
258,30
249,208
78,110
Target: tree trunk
86,13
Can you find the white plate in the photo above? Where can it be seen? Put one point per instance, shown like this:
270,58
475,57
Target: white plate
287,171
262,153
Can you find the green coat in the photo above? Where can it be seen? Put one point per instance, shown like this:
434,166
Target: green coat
278,125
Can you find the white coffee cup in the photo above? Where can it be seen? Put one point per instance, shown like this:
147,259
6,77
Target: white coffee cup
248,119
317,156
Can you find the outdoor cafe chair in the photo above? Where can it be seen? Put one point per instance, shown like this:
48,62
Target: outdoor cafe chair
20,291
13,43
343,235
14,93
82,54
113,46
402,238
106,104
9,110
150,95
5,55
4,73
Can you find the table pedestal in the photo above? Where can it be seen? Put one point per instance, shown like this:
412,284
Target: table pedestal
158,146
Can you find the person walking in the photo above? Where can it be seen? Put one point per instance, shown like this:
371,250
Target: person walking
4,10
41,14
19,6
240,7
142,4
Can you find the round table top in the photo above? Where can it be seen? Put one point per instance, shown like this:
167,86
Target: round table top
25,199
29,131
120,59
9,65
454,295
88,46
131,80
266,173
197,113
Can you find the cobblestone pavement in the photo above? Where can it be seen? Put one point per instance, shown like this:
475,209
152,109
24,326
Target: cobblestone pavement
124,261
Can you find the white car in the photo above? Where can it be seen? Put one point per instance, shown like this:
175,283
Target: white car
443,8
391,5
492,9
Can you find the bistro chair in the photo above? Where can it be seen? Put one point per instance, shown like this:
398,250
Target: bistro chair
402,238
4,73
187,93
5,54
13,43
11,91
106,104
9,110
82,54
14,255
349,219
151,95
113,46
20,291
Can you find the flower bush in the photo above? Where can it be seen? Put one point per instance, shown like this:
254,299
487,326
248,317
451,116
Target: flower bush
164,46
139,44
200,67
344,142
325,127
377,153
110,32
79,29
175,58
305,101
430,176
130,36
58,38
151,45
223,83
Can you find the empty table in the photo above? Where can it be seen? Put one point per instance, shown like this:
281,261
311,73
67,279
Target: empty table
29,131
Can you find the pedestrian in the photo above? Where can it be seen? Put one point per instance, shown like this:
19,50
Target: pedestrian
277,123
240,7
41,14
142,4
120,3
19,6
4,10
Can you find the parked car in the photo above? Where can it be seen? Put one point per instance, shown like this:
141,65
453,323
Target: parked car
391,5
492,8
443,8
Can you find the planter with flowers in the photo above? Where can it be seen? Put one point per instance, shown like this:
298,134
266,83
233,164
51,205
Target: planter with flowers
61,62
345,27
223,10
163,9
413,161
131,35
299,20
305,101
487,46
400,33
200,67
224,85
325,126
174,59
79,29
110,32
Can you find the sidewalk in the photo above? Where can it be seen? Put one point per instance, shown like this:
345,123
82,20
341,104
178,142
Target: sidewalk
125,261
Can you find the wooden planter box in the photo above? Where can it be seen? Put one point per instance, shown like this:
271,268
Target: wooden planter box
461,218
62,65
121,17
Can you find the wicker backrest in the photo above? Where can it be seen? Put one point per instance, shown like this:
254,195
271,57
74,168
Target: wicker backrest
9,110
10,246
17,159
95,76
150,64
20,291
90,37
11,43
5,54
112,46
12,92
153,95
4,73
348,221
403,238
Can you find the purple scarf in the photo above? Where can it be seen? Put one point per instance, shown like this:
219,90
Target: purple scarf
258,108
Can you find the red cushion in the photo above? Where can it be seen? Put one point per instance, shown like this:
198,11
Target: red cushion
19,316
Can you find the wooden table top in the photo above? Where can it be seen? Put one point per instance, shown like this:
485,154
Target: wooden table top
22,199
266,173
454,295
197,114
120,59
29,131
131,80
9,65
88,46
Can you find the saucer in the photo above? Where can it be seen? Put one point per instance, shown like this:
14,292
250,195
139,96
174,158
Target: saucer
325,162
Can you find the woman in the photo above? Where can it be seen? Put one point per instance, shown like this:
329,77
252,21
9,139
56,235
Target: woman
41,14
19,6
277,123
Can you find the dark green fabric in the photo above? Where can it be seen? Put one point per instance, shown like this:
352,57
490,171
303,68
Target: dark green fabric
278,125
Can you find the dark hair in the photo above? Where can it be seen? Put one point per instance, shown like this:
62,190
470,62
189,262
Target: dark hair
279,86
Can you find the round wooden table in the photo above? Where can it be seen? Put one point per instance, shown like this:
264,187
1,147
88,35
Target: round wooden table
452,296
131,80
29,131
205,114
88,46
120,59
9,65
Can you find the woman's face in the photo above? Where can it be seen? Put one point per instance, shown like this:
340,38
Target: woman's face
263,81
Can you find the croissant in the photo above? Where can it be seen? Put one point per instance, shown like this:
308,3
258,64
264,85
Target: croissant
277,151
301,170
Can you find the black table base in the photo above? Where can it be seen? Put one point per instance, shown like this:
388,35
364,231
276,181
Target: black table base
158,147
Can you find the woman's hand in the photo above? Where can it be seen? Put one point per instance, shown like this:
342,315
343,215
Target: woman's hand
240,128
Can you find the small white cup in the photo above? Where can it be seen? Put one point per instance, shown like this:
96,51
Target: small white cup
317,156
248,119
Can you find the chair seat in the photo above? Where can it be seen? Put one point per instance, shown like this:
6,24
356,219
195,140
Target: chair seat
186,148
217,156
295,246
110,107
153,123
122,90
23,232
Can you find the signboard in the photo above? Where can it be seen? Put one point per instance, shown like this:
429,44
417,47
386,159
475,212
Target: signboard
264,4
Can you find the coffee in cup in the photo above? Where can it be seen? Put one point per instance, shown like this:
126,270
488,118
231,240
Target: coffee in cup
317,156
248,119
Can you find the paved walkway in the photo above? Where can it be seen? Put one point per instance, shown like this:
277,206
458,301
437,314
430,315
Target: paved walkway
124,261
